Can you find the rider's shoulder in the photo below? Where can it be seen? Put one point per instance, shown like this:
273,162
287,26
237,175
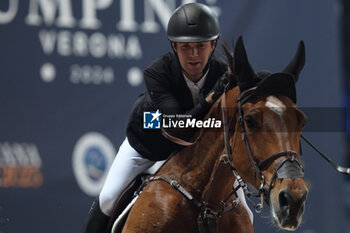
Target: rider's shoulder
162,62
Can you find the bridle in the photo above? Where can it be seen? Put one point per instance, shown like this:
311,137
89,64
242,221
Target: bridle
290,167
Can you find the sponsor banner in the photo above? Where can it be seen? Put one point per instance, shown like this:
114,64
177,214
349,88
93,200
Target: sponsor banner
93,154
70,72
89,42
20,165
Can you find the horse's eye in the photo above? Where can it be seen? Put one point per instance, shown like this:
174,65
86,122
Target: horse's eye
250,121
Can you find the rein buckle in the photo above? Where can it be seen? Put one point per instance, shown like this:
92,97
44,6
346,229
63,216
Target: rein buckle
259,207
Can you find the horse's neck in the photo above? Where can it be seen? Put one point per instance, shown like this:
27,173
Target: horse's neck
194,166
221,178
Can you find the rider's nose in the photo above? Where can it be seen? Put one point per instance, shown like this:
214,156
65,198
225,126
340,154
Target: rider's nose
194,51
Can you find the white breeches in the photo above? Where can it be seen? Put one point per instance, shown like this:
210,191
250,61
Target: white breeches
125,167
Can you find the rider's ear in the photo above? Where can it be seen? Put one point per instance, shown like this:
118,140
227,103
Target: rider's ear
297,63
173,44
213,43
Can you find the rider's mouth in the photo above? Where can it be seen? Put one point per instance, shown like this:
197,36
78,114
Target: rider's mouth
193,63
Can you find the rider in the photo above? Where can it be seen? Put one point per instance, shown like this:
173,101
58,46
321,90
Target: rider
186,81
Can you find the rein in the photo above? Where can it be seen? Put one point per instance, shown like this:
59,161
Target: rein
207,220
340,169
225,159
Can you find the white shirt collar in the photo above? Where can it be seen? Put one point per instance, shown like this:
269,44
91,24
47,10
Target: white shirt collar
195,87
200,82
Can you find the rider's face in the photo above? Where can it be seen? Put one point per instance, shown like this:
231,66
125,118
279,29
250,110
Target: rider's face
194,56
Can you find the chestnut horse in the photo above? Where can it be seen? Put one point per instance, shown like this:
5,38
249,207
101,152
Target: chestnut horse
193,191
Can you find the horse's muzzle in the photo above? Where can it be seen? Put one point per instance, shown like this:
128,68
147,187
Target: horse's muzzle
290,206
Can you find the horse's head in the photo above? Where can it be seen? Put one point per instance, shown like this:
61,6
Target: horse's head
266,148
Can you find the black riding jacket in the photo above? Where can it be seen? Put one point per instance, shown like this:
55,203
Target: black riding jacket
167,91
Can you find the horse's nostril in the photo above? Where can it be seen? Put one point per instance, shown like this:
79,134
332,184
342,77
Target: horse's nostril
284,204
283,198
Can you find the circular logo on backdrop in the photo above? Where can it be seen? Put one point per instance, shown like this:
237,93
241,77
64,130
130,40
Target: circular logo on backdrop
93,154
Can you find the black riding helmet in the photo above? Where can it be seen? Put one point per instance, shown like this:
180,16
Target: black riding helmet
193,22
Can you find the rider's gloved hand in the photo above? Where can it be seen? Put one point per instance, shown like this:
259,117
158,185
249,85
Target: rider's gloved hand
219,87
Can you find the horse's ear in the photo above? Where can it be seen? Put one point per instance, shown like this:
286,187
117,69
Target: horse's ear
244,71
297,63
229,55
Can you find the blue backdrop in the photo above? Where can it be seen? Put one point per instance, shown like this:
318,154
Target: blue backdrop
71,70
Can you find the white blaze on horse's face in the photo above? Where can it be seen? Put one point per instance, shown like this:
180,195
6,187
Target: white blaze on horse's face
275,105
